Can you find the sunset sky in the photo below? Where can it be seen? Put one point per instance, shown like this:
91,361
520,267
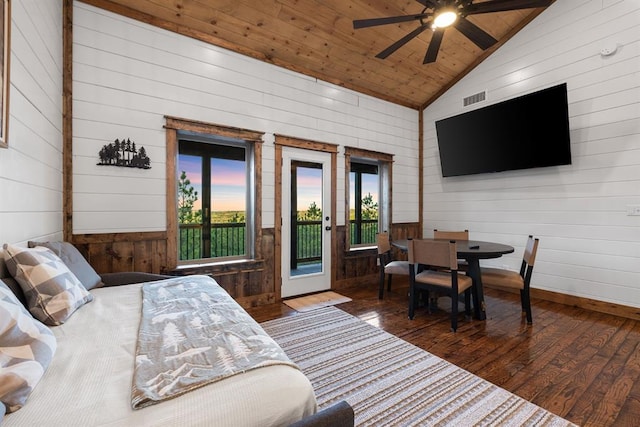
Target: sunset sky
309,188
228,181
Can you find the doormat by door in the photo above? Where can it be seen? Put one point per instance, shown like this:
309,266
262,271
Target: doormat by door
315,301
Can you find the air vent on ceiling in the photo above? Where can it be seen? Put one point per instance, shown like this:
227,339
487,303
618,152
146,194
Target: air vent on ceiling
478,97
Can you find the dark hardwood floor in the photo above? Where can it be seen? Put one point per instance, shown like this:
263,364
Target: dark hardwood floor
579,364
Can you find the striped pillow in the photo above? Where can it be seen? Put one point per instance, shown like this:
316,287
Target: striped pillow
74,260
52,291
26,349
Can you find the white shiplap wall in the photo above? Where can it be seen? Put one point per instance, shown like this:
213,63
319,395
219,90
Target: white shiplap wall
31,168
129,75
589,246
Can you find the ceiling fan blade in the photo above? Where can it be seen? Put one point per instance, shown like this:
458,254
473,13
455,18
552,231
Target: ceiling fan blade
474,33
397,45
505,5
434,46
427,3
364,23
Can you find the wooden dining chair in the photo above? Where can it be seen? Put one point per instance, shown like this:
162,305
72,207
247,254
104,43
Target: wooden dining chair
450,235
438,253
388,267
453,235
521,280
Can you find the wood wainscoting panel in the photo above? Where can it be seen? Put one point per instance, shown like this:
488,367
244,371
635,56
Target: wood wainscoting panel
359,266
249,282
119,252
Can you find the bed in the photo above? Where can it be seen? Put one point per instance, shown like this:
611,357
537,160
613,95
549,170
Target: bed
89,379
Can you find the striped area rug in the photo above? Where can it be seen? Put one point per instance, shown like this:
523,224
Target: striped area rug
390,382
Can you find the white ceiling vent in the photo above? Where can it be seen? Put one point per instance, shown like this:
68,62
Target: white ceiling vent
478,97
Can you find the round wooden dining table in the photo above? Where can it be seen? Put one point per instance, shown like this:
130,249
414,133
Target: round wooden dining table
472,251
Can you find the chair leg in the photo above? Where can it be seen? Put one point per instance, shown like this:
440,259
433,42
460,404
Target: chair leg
467,303
389,283
381,284
526,303
454,313
432,302
412,295
426,300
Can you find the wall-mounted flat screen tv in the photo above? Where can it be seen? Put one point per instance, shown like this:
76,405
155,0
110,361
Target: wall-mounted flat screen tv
529,131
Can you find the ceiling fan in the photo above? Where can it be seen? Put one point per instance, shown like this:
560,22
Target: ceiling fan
438,15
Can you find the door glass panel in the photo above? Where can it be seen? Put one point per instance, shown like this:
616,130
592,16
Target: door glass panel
306,218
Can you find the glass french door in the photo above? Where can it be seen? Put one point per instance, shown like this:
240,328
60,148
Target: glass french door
306,221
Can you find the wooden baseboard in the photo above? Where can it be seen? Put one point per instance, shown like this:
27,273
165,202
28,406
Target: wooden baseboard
586,303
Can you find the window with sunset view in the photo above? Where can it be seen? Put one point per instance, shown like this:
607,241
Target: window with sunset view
364,203
369,188
214,199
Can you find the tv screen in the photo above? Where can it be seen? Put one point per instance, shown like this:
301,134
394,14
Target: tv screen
529,131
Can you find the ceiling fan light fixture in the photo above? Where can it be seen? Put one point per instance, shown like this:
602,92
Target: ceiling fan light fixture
438,15
445,18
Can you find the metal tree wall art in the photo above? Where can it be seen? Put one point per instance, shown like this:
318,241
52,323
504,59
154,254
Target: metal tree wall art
124,153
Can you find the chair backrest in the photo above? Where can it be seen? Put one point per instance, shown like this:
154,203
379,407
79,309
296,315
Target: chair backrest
530,251
528,259
384,243
436,253
451,235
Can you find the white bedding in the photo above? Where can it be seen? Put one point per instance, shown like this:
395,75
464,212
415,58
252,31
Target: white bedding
89,381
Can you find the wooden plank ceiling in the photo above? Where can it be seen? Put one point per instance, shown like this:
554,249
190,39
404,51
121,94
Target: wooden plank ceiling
316,38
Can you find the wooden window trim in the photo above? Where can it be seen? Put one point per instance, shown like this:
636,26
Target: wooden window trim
172,126
350,152
368,154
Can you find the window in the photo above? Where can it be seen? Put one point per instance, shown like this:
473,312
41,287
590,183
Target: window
369,195
364,202
214,215
217,143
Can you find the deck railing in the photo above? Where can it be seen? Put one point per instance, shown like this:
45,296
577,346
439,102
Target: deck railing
228,239
306,243
364,231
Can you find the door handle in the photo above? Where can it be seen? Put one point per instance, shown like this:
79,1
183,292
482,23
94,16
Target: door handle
328,227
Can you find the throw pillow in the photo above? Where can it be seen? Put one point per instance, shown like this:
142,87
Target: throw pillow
78,265
14,286
52,291
26,349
